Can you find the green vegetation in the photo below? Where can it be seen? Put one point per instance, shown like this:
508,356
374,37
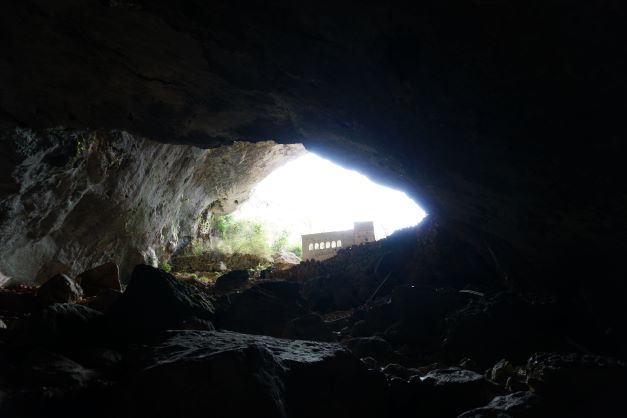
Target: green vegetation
296,249
82,143
280,243
223,224
246,236
165,266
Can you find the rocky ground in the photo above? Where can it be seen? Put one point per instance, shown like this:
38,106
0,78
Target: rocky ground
414,325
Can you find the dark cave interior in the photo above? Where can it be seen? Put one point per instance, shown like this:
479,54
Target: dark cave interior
126,126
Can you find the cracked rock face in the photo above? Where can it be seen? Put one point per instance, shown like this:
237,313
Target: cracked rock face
76,199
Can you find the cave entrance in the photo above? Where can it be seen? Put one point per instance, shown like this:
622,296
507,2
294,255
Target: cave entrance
313,207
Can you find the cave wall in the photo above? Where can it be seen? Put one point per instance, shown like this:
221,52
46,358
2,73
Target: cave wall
503,118
81,198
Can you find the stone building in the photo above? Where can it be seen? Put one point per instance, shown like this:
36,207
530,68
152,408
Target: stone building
325,245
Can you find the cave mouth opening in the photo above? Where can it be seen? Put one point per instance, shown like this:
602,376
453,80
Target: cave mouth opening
312,195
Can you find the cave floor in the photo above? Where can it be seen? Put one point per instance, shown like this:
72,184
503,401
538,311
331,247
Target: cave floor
373,332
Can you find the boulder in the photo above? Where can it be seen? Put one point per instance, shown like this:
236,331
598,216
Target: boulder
398,371
578,383
515,405
498,325
100,358
469,364
155,301
15,301
59,289
285,260
308,327
240,375
375,347
405,399
501,371
232,280
516,384
50,269
103,277
63,325
263,309
41,367
417,313
360,329
104,299
196,324
453,390
370,362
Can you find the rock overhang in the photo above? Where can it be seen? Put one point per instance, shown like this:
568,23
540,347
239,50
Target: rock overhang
515,145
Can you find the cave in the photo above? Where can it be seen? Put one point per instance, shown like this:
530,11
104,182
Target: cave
128,128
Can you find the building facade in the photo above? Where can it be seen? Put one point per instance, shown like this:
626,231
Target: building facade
325,245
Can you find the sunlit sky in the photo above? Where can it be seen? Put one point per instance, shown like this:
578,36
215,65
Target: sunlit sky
311,194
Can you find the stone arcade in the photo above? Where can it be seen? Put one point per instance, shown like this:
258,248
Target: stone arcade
324,245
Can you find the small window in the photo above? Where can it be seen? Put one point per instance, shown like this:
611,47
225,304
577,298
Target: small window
339,243
316,246
310,246
332,244
322,245
328,245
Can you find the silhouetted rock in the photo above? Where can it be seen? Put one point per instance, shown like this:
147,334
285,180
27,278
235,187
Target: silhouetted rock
453,390
263,309
239,375
63,326
155,301
516,405
59,289
308,327
16,301
40,367
575,384
501,371
468,364
496,326
103,277
104,299
375,347
196,324
232,280
370,362
399,371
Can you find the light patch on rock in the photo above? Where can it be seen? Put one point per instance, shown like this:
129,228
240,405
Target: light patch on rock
88,197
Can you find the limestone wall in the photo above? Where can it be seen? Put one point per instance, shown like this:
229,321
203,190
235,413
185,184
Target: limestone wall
71,200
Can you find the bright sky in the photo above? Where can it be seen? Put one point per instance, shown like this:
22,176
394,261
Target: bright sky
311,194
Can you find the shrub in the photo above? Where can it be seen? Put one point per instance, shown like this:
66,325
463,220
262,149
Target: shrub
165,266
280,243
297,249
